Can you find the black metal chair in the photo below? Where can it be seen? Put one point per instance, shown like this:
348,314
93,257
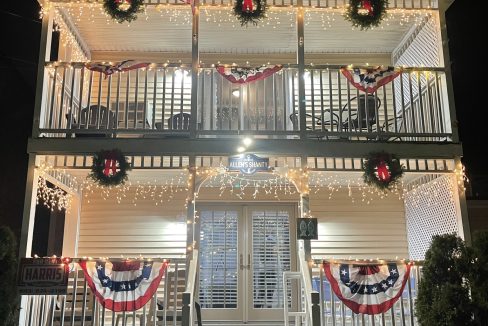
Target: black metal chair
364,118
92,117
179,121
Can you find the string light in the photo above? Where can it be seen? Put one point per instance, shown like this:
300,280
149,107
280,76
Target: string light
282,182
222,14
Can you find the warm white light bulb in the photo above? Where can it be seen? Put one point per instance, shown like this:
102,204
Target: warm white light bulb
241,149
247,141
236,93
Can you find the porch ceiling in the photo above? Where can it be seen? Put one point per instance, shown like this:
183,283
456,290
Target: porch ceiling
170,31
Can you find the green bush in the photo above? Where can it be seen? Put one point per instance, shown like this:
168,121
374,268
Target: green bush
453,289
478,278
8,290
443,297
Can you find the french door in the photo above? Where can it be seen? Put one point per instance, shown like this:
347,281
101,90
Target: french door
244,250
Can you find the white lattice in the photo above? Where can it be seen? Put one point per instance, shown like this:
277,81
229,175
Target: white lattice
430,209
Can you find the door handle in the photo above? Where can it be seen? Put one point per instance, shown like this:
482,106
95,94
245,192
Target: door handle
249,261
241,262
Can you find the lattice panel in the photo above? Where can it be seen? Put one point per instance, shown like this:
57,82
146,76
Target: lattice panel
430,209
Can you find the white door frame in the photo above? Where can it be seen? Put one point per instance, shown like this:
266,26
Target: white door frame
245,311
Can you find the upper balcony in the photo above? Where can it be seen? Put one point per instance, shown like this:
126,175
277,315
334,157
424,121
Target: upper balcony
308,98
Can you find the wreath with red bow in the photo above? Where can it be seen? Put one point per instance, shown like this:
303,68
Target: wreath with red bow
123,10
382,170
250,11
366,13
109,168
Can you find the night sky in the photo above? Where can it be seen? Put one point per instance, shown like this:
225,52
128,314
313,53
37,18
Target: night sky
19,54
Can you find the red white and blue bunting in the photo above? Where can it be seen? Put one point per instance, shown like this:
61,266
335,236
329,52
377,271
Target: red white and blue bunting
240,75
109,68
123,285
368,289
370,79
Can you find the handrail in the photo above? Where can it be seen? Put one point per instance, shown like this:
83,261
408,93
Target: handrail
188,301
153,65
311,297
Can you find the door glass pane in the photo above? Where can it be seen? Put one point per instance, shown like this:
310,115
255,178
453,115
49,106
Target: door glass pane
218,259
271,256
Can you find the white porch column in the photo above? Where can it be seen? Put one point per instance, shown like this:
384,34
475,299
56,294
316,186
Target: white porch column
42,76
443,6
195,65
462,207
301,67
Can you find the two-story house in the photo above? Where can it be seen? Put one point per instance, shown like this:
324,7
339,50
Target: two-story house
186,104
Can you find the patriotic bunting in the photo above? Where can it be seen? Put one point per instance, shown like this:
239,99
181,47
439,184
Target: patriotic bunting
368,289
109,68
370,79
238,75
123,285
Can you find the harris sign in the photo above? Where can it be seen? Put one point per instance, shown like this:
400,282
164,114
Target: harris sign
248,163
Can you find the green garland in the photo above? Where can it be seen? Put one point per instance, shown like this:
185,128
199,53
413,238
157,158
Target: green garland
370,167
98,167
366,20
114,10
245,17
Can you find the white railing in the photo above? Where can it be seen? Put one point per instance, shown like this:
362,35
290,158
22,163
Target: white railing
188,309
407,4
157,101
334,312
80,307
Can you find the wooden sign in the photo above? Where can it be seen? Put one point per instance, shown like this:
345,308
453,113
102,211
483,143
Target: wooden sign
43,276
307,229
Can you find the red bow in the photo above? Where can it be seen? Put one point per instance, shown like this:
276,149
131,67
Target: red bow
383,173
368,6
247,6
110,166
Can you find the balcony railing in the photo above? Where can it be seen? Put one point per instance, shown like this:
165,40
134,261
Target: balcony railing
157,102
334,312
80,307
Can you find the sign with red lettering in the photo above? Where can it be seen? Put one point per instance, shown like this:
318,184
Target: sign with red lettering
43,275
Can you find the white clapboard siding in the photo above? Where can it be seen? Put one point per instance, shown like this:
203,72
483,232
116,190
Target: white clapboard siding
358,230
108,229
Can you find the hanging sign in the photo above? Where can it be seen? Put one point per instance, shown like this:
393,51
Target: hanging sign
307,229
248,163
43,276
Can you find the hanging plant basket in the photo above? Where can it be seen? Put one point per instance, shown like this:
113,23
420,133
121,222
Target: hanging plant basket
382,170
109,168
250,11
123,10
366,14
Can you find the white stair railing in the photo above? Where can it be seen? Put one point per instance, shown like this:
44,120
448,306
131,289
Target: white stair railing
188,309
310,312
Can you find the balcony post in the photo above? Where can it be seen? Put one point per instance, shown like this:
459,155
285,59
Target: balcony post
462,207
301,67
443,6
42,76
195,63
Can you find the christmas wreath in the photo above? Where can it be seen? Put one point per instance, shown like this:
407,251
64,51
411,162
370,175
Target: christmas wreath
382,170
109,168
250,11
123,10
366,13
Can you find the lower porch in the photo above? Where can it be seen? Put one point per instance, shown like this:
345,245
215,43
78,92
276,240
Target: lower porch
230,238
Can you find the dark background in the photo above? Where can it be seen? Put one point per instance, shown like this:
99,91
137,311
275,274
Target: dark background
19,46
